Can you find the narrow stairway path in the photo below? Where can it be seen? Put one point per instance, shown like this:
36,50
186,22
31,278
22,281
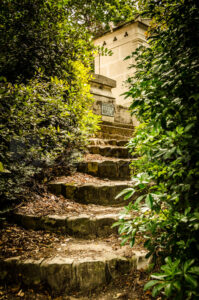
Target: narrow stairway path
80,250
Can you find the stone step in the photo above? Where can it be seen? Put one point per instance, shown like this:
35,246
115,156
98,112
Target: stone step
118,169
96,223
112,129
112,142
75,265
100,193
105,135
110,151
120,125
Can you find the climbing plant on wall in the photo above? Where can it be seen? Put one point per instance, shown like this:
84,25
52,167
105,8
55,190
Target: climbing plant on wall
165,99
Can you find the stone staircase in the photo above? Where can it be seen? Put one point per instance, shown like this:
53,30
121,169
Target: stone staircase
115,131
90,256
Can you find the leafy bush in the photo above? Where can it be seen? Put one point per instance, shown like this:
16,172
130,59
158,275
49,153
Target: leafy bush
165,96
176,278
41,130
40,35
45,57
45,113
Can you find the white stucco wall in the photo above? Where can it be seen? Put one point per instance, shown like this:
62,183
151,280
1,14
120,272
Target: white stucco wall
122,41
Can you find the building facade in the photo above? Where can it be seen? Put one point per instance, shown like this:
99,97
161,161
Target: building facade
122,41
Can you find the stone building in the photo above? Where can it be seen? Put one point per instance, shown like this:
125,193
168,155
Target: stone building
122,41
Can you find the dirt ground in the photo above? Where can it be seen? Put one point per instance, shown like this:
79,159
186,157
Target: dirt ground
81,179
17,241
49,204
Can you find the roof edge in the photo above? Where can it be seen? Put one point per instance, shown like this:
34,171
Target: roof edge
138,19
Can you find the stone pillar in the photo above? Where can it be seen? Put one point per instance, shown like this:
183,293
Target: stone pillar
101,88
105,103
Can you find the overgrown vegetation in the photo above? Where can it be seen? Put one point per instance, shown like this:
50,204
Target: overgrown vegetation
96,15
165,96
46,113
46,56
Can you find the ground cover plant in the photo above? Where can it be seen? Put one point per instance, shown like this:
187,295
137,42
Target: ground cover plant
165,95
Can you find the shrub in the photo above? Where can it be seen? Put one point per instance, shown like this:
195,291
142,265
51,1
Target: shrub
46,116
166,101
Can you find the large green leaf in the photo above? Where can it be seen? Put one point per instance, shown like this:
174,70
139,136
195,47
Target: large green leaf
150,284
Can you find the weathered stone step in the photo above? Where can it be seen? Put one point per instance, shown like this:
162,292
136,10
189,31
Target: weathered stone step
75,265
110,169
112,142
120,125
112,129
114,151
105,135
85,225
102,193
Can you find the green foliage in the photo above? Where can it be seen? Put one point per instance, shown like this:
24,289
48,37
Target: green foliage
41,128
101,50
176,278
40,35
165,96
46,116
97,14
